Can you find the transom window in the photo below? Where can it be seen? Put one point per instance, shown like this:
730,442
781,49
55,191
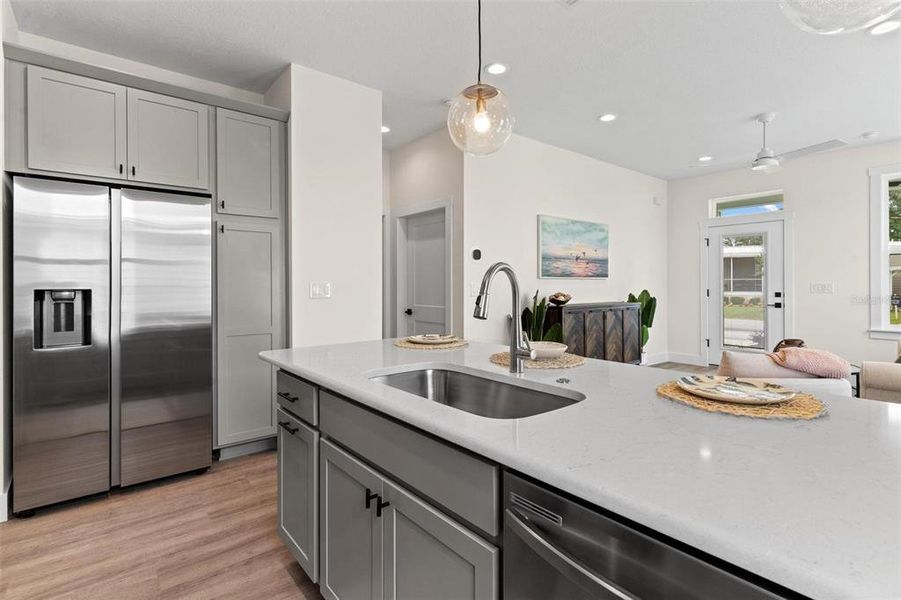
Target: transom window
748,205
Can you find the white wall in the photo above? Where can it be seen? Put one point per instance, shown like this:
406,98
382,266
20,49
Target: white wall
423,172
829,196
335,206
505,192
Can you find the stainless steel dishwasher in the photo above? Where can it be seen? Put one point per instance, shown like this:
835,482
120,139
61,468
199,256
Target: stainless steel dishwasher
556,548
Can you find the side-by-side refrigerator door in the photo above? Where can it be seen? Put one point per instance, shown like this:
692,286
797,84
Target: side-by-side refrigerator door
60,323
163,338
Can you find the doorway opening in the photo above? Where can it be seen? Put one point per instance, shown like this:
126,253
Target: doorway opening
423,270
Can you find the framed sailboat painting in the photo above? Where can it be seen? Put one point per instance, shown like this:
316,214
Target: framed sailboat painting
571,249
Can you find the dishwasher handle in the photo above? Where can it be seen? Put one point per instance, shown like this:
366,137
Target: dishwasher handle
562,562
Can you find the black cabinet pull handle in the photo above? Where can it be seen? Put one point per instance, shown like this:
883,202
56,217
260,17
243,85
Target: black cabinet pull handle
222,204
379,505
120,168
369,496
287,396
132,169
287,427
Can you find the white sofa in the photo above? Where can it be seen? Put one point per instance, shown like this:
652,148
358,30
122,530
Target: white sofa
748,365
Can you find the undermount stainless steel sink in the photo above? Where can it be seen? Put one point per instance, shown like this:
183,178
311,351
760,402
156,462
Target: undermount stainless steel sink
478,395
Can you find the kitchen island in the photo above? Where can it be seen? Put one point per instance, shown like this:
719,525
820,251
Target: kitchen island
813,506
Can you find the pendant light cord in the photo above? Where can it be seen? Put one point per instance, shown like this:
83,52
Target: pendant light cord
479,74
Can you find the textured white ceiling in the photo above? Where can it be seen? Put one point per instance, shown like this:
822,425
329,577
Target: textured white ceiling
685,78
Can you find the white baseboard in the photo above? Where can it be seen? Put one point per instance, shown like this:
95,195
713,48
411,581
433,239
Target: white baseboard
246,448
688,359
656,359
4,504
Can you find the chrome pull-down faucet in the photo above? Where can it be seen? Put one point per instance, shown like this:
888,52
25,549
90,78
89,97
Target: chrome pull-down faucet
519,343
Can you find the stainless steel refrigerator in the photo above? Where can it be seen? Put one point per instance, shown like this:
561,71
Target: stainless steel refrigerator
112,338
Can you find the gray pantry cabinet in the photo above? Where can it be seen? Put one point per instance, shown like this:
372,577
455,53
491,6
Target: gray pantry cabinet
82,126
250,303
249,152
298,488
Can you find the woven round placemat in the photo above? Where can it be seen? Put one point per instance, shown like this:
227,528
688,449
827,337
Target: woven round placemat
802,406
563,362
402,343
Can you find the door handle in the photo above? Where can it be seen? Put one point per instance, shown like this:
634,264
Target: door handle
287,396
562,562
287,427
379,505
408,312
775,305
369,496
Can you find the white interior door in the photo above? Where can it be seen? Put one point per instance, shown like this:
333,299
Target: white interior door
746,287
422,301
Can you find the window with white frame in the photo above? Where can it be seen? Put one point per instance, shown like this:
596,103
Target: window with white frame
885,251
752,204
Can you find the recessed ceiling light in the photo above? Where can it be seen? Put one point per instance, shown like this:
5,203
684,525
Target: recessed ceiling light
705,159
869,135
385,129
885,27
607,118
496,68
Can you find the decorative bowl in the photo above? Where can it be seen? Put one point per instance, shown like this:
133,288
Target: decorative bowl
546,350
559,298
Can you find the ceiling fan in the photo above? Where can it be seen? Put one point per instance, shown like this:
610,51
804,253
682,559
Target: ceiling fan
768,161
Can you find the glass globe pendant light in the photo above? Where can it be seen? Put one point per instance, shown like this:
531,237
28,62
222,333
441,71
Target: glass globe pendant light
479,119
831,17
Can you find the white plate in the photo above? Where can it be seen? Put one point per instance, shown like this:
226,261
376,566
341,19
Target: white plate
729,389
432,338
545,350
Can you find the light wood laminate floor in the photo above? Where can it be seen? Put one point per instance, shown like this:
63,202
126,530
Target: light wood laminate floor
674,366
197,536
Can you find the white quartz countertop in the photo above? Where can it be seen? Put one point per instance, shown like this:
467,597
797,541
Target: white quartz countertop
812,505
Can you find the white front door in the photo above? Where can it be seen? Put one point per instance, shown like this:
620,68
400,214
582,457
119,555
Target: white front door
746,287
423,304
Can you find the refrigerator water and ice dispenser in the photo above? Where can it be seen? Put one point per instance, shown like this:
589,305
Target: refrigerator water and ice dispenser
62,318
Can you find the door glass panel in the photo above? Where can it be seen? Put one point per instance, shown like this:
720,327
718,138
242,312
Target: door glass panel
743,295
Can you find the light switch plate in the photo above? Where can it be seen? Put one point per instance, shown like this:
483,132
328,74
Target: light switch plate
822,287
320,290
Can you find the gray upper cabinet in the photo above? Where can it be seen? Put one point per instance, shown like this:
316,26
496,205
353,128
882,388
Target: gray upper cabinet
250,177
75,124
427,555
350,541
168,140
250,305
298,491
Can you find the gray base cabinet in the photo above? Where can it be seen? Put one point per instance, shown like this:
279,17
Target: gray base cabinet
379,541
298,489
350,534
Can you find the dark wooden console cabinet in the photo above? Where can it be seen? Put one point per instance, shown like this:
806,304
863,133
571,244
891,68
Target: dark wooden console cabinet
604,330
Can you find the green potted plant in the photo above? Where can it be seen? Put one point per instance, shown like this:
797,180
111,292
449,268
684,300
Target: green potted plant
647,311
533,323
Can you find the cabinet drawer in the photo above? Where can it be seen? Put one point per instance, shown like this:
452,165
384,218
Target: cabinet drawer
463,484
297,397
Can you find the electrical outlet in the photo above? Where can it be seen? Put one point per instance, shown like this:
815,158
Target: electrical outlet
822,287
320,290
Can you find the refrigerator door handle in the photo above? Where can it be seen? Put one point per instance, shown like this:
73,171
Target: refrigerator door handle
114,336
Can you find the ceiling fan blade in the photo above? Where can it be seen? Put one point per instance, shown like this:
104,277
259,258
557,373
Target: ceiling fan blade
821,147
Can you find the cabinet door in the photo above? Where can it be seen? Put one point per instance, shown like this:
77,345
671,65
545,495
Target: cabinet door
249,170
350,534
574,331
168,140
298,491
75,124
594,334
632,335
427,555
249,320
613,335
